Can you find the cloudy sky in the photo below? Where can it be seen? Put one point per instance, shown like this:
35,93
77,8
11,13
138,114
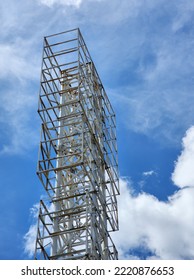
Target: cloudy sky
144,53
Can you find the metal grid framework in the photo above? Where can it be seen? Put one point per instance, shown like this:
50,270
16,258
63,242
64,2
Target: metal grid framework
77,162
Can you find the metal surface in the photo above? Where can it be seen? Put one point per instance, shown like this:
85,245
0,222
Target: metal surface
77,162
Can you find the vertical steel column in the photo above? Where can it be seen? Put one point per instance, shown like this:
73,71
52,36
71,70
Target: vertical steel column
77,162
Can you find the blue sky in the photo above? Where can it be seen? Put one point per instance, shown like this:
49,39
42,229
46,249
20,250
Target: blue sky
144,53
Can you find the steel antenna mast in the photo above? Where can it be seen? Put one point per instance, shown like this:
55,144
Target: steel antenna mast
77,162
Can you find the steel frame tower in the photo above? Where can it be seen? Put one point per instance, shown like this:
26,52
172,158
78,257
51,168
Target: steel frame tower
77,162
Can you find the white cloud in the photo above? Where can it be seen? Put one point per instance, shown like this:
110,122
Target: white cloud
50,3
145,176
183,175
21,134
18,61
149,173
30,236
164,228
29,240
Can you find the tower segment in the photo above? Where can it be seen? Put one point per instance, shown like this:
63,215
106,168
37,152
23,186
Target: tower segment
77,162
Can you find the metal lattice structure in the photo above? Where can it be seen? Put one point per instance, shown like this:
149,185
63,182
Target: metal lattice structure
77,162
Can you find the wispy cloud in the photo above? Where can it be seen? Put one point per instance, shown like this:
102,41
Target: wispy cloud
184,14
158,86
30,236
149,173
20,134
144,45
17,63
19,78
29,240
50,3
